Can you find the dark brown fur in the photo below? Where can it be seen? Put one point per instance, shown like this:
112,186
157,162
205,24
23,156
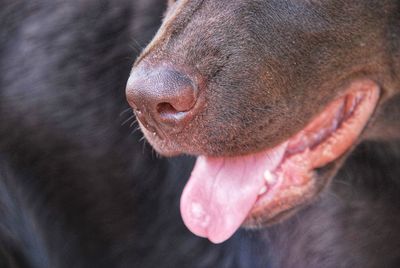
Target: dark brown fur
269,66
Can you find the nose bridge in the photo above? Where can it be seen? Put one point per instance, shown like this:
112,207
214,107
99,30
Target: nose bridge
176,20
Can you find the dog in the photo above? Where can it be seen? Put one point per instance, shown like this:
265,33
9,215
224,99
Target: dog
275,98
77,189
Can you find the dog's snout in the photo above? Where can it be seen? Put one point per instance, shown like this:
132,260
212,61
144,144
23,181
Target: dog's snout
162,98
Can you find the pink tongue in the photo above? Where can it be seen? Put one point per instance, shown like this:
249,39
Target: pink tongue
221,192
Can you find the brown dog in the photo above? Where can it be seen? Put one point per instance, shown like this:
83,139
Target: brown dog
271,95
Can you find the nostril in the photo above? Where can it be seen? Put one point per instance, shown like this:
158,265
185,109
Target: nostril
169,115
166,108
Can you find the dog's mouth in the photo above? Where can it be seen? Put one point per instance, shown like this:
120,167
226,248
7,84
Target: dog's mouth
224,193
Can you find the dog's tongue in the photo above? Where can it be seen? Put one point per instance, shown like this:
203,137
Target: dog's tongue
221,192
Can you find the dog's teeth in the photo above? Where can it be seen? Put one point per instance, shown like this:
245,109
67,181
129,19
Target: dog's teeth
269,177
263,190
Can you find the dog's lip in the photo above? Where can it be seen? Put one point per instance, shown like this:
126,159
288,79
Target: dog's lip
291,191
324,140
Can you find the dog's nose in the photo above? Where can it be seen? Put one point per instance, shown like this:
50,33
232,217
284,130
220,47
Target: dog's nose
162,98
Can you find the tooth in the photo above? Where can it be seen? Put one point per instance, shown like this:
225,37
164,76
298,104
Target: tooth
269,177
263,190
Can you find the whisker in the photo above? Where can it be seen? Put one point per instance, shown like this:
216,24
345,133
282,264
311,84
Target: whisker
135,130
135,45
127,120
345,183
139,47
143,141
134,122
157,154
125,111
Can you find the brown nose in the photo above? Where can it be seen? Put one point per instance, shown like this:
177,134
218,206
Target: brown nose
162,98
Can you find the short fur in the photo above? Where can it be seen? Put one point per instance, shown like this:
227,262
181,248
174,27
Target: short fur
270,66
